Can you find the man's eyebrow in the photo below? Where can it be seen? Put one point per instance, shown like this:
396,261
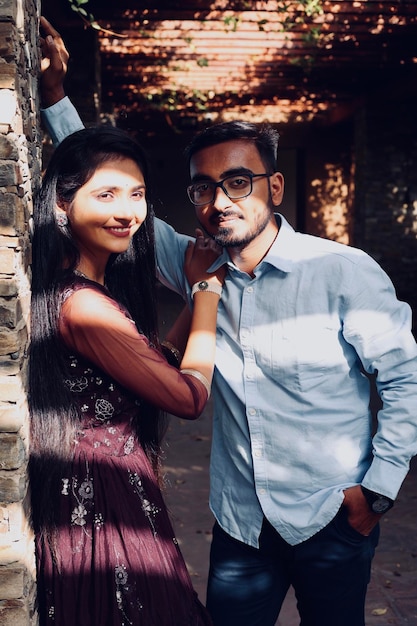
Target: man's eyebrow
234,171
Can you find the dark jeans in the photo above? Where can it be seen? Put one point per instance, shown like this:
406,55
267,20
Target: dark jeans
329,572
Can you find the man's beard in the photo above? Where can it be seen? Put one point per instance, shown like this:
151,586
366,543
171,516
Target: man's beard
225,238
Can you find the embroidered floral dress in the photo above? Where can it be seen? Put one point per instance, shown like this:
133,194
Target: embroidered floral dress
117,561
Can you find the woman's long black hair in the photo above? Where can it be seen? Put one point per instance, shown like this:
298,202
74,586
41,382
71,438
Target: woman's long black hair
130,277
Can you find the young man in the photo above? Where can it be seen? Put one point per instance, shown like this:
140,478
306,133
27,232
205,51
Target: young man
298,481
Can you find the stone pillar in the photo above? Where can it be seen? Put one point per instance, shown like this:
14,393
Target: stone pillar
20,162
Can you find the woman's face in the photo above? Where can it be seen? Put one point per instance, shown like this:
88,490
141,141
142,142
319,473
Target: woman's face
108,210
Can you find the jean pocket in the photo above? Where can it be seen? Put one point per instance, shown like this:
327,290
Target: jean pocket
344,528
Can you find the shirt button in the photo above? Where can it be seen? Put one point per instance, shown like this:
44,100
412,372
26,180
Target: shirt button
262,492
252,411
249,289
258,453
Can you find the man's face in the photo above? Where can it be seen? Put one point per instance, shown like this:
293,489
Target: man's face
235,223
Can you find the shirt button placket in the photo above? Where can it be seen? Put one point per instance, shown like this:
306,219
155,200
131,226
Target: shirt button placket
249,380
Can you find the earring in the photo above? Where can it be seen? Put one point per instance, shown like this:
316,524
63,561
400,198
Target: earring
61,219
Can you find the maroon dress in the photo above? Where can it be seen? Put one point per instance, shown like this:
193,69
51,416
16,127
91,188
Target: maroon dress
117,562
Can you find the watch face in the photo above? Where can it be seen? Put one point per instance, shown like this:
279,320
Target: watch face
381,505
202,285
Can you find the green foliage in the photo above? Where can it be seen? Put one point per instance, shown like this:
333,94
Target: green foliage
296,12
312,36
292,13
202,62
78,7
231,21
173,100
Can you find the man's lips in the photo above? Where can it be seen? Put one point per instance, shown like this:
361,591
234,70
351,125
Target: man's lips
224,218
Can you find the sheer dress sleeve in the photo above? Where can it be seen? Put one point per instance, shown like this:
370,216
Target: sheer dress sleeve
93,325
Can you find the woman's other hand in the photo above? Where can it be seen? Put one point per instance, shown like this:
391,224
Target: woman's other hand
199,256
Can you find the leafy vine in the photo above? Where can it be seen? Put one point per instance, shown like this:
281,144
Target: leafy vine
78,6
292,13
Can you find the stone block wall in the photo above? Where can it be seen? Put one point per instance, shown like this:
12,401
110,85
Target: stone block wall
20,163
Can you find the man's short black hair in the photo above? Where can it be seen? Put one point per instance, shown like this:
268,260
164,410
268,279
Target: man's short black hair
264,137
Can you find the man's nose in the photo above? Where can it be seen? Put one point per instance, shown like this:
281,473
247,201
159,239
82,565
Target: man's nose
221,200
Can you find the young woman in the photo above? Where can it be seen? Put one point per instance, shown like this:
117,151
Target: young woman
106,552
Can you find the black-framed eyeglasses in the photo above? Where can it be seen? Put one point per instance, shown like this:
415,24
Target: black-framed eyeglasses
235,187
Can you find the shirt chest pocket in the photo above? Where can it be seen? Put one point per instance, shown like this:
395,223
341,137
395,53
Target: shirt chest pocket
301,356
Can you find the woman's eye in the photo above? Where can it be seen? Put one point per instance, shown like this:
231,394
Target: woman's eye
105,195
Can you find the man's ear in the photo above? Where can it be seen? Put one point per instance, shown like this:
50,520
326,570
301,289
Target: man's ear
276,185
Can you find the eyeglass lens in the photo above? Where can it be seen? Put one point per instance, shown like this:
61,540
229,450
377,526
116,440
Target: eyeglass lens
234,186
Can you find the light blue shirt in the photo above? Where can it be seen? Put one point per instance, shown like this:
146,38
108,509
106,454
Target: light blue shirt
61,120
292,426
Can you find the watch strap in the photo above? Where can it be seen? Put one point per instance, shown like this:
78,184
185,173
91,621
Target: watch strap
378,503
203,285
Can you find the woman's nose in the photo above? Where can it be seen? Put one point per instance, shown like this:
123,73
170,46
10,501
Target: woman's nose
125,209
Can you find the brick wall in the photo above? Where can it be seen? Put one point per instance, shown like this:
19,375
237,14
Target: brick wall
385,214
19,177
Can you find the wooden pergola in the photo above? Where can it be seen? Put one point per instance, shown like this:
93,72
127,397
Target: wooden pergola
283,61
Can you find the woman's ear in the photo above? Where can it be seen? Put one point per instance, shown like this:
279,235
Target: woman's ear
276,183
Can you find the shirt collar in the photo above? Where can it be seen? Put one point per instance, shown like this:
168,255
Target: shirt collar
280,254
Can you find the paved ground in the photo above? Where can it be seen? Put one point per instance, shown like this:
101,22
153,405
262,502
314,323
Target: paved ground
392,595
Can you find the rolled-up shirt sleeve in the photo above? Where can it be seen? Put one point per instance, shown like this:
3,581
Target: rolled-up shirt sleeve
94,326
170,251
61,119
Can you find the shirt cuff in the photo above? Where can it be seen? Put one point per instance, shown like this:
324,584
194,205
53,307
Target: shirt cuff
385,478
61,119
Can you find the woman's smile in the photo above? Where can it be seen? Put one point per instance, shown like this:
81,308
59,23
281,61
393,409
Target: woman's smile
119,231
